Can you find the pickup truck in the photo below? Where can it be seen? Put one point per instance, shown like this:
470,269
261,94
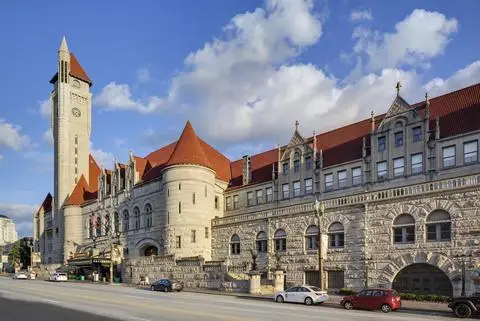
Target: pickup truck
464,307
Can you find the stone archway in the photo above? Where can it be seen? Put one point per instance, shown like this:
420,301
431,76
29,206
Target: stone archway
400,262
148,247
422,278
149,250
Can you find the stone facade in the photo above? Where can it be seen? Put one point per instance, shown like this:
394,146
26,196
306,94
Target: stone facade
407,195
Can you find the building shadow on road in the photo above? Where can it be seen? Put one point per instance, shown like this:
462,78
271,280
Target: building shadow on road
18,310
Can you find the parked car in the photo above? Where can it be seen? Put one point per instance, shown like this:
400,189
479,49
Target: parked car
58,277
167,285
463,307
386,300
21,275
302,294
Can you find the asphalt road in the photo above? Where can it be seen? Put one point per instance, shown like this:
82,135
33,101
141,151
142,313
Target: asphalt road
41,300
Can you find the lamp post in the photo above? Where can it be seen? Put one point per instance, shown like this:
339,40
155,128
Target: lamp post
319,208
463,258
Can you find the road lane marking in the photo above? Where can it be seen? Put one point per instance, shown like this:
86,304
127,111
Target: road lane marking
50,301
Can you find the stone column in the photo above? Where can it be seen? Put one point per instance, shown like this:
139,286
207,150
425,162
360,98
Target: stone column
278,284
254,282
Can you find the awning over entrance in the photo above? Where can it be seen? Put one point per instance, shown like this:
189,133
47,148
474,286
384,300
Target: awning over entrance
89,261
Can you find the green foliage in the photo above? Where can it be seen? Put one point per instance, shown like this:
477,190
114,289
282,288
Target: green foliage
424,297
15,254
346,291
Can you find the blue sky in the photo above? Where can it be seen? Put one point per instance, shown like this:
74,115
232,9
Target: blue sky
241,71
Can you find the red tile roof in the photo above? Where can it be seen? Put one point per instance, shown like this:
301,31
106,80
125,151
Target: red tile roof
189,150
46,204
76,70
93,173
81,193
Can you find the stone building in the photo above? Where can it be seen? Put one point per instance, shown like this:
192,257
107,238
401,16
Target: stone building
399,193
8,232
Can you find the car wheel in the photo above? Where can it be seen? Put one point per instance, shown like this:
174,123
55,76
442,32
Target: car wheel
308,301
348,305
386,308
279,299
462,311
152,288
165,289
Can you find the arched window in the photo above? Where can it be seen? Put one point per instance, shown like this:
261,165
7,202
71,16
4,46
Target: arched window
126,221
98,226
136,213
404,229
438,226
148,215
280,238
235,245
336,235
311,238
296,162
116,223
107,224
261,242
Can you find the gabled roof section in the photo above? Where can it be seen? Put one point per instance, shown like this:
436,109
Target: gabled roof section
46,204
81,193
142,165
397,108
93,173
189,150
76,70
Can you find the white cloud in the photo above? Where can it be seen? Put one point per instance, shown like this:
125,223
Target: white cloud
118,96
419,37
361,15
103,158
464,77
143,75
45,108
22,215
11,137
48,137
119,142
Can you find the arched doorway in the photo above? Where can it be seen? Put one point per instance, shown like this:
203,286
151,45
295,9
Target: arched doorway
422,278
150,250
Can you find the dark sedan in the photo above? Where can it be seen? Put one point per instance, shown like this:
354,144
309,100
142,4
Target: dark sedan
167,285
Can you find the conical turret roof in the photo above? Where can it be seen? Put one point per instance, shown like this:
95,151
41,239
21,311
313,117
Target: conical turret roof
189,150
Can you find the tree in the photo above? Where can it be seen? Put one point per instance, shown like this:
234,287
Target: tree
14,256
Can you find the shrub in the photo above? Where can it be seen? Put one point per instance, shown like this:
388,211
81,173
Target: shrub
346,291
423,297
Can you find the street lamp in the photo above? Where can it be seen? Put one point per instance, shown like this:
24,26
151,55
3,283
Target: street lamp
319,208
463,258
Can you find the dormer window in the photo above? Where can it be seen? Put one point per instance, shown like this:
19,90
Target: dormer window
381,144
398,139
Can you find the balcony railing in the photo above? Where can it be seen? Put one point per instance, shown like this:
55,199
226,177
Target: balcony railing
387,194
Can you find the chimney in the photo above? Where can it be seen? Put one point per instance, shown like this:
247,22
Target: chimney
247,170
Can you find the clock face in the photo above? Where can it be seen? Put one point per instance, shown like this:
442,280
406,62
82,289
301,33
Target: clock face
76,112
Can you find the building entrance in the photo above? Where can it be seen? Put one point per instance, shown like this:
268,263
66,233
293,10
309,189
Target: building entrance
422,278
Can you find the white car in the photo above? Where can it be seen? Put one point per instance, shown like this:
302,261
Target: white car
20,276
58,277
302,294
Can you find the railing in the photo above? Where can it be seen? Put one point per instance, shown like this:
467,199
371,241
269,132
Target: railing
387,194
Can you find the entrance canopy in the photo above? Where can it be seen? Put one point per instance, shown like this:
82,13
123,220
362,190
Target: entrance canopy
88,262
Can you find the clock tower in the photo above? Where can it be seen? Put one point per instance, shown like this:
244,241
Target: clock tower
71,125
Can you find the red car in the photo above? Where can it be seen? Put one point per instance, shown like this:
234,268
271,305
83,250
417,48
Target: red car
371,299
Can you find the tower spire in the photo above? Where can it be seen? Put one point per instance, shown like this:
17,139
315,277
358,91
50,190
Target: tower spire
63,45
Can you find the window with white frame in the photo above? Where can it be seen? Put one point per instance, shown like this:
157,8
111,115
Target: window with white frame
357,176
235,201
280,238
249,198
404,229
417,163
308,186
285,191
438,225
228,203
342,178
235,245
382,170
269,192
261,242
336,235
470,152
259,194
328,182
448,156
398,167
296,188
311,238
